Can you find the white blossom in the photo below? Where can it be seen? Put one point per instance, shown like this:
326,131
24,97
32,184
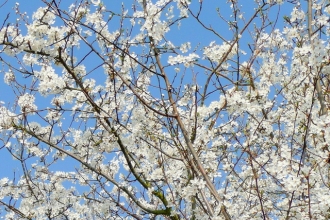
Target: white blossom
165,109
26,102
96,2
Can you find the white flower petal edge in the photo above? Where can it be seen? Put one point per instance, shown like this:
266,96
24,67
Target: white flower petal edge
96,2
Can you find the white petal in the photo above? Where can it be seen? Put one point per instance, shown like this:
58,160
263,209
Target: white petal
96,2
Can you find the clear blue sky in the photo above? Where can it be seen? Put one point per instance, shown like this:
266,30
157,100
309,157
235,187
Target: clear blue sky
189,31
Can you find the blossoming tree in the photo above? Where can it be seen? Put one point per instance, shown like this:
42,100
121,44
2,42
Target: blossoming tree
119,113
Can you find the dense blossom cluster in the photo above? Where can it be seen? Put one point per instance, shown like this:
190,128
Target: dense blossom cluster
118,114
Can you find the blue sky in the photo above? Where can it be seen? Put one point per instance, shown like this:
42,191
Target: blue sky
189,30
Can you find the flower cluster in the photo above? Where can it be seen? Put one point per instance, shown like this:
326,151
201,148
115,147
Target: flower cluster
26,102
117,117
